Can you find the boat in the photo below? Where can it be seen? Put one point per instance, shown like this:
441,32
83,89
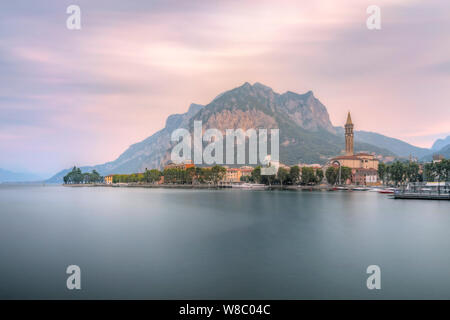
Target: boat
251,186
360,189
388,191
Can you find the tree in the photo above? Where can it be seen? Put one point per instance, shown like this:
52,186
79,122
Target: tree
332,175
294,174
382,171
412,172
346,174
217,173
267,179
282,175
398,172
319,175
95,177
308,175
190,175
76,176
429,173
256,175
151,176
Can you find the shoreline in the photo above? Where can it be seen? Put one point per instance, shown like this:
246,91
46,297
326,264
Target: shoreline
196,186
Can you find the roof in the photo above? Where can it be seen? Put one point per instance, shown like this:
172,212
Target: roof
354,157
349,119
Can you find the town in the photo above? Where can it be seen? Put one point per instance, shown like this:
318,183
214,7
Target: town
350,170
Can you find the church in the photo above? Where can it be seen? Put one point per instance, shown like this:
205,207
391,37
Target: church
364,166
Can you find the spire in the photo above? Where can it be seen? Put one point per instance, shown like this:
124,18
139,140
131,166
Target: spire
349,119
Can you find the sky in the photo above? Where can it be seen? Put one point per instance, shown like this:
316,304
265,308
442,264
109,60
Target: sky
81,97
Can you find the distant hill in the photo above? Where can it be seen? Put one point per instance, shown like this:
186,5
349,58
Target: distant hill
306,132
399,147
445,151
440,144
9,176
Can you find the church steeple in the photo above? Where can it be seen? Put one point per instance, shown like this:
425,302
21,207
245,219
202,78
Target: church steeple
349,119
349,136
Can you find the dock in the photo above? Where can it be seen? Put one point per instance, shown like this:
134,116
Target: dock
422,196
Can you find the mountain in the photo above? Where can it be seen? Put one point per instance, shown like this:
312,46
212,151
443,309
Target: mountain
440,143
9,176
445,151
399,147
306,132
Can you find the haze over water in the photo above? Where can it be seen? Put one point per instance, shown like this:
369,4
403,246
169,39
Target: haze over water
205,244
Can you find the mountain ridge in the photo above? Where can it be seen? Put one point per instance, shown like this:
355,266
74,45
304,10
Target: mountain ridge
440,144
11,176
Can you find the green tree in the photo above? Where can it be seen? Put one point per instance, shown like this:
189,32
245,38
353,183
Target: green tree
332,175
294,174
282,175
308,175
256,175
190,175
346,174
382,171
152,176
217,173
412,172
398,172
319,175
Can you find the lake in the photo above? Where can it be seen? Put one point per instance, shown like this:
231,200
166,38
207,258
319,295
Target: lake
139,243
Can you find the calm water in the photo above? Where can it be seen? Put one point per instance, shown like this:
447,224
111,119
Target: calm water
160,243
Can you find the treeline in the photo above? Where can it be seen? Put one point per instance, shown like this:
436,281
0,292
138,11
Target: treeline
149,176
77,177
292,176
176,176
404,172
332,175
195,175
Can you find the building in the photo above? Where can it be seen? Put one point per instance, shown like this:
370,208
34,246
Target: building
349,136
109,179
246,171
364,176
364,166
233,175
182,166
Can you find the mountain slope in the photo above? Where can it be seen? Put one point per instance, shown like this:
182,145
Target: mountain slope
440,144
399,147
9,176
306,132
445,151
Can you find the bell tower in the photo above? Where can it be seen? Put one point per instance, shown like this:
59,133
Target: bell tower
349,136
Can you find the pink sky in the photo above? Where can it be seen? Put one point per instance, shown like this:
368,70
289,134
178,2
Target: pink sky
82,97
